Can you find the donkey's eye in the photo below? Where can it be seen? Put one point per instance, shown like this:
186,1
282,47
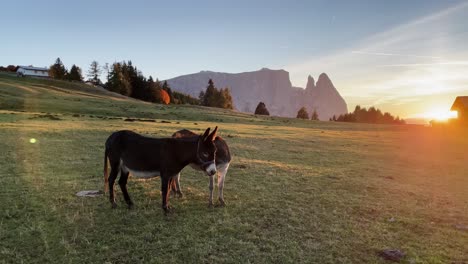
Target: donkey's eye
205,154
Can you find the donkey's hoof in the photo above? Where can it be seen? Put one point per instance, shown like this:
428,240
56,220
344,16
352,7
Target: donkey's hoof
180,194
114,205
210,204
131,206
221,203
168,209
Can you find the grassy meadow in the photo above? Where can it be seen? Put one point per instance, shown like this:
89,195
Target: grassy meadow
296,192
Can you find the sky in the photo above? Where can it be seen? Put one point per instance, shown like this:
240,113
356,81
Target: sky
406,57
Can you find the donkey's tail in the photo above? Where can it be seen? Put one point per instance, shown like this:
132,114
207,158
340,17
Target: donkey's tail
106,173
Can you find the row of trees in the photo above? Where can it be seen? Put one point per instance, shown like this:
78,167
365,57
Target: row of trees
126,79
371,115
214,97
303,114
59,72
123,78
9,68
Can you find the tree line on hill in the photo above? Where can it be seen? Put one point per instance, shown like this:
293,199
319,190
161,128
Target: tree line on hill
214,97
9,68
126,79
302,113
360,115
59,72
371,115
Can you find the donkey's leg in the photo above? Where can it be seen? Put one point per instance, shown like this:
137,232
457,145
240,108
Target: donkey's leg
222,171
165,192
210,201
123,186
176,186
115,169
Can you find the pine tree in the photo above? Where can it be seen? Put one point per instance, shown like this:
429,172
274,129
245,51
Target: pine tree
94,72
226,99
75,74
57,70
167,88
210,95
106,71
261,109
117,80
302,113
201,95
314,116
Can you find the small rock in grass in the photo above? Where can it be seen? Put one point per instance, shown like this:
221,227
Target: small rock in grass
392,254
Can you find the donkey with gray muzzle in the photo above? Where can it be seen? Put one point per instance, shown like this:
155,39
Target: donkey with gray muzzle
222,159
145,157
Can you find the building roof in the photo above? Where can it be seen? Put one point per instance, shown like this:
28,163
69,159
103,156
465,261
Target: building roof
33,68
460,102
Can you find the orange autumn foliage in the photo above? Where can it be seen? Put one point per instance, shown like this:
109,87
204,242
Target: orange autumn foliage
165,99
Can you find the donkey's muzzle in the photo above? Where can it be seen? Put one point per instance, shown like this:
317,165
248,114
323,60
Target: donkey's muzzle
211,169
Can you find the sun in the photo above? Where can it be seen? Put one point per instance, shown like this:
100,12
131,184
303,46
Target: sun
440,114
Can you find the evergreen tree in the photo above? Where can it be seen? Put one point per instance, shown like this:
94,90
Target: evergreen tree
302,113
75,74
201,95
106,69
210,95
94,72
226,99
167,88
153,90
314,116
57,70
261,109
117,80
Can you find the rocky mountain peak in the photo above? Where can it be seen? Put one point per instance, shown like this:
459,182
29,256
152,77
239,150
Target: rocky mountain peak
273,87
310,83
324,79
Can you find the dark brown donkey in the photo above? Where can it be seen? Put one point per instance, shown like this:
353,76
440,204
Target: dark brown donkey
146,157
222,158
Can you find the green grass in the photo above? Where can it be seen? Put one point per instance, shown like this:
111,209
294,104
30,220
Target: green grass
297,191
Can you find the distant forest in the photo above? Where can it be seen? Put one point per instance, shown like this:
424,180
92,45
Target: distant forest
9,68
371,115
126,79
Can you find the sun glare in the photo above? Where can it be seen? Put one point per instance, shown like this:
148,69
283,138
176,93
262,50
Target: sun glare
441,114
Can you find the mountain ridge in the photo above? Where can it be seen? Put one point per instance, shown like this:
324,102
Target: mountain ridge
273,87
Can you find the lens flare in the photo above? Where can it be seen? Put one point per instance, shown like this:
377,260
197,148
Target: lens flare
32,140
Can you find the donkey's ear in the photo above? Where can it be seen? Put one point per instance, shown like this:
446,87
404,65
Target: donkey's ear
212,136
207,131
